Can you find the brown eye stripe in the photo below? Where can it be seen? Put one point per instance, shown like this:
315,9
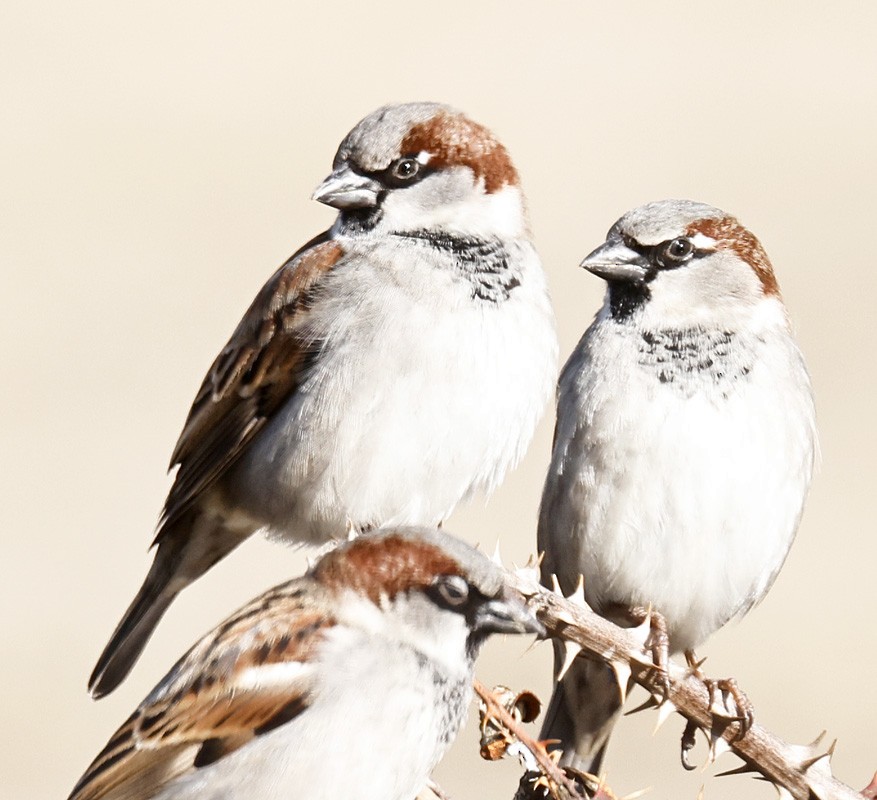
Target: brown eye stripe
731,235
454,140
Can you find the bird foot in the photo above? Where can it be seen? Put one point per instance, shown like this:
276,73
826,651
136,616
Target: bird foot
727,701
657,645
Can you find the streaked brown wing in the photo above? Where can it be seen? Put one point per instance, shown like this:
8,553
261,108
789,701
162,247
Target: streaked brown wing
257,370
251,674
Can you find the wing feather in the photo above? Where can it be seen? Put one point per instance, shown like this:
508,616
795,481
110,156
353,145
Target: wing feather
256,372
251,674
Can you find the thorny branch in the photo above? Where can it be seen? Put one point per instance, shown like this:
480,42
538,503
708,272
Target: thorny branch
502,714
556,781
800,772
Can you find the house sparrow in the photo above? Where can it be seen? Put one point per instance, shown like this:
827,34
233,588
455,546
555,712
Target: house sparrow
684,446
393,366
351,681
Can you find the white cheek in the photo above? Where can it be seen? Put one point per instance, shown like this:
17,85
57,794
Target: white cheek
712,292
412,621
456,205
506,212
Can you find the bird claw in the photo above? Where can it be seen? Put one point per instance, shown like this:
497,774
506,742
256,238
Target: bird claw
729,702
658,647
687,744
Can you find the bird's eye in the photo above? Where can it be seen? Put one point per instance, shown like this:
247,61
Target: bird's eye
405,168
453,589
677,251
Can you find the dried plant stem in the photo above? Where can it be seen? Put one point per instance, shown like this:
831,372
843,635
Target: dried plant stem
567,788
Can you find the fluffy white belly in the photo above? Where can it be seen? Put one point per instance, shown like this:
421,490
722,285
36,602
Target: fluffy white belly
685,503
403,419
699,522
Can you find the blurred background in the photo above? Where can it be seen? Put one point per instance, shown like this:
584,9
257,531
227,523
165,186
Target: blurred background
157,160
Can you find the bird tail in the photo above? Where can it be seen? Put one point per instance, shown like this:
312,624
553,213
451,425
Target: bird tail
134,630
583,710
187,547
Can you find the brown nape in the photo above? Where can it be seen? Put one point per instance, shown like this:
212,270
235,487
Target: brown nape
384,565
454,140
731,235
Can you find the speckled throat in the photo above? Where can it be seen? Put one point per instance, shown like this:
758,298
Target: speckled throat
484,263
688,357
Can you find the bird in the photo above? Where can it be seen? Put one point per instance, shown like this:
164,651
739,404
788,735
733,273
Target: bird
350,681
392,367
683,450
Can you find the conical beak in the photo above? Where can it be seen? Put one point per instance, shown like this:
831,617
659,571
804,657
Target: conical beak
344,188
508,614
615,261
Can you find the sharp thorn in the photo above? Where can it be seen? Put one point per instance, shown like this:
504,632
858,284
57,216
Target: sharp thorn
743,769
649,703
809,762
578,595
641,658
693,667
570,651
665,710
532,646
562,616
783,792
816,742
496,558
641,634
718,706
622,676
555,585
718,747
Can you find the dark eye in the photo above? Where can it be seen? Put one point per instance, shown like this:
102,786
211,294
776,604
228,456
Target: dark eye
677,250
453,590
405,168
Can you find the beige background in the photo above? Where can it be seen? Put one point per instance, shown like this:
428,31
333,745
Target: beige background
157,160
